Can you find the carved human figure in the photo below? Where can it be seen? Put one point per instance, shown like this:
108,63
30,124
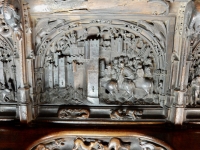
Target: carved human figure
147,71
5,30
12,18
143,83
195,85
115,69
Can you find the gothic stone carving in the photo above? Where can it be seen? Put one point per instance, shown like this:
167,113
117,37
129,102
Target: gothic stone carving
120,114
99,62
73,114
11,16
8,72
123,63
193,96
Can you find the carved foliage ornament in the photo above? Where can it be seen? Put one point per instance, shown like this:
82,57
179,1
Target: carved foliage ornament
101,62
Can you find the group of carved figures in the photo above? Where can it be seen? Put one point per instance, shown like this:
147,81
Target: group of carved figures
127,62
131,78
96,144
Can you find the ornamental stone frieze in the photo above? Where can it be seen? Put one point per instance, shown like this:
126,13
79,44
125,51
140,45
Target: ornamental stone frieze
119,61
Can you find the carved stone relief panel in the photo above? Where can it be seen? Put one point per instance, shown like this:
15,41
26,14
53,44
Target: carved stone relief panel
75,60
101,62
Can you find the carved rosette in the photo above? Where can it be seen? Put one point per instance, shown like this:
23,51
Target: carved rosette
101,62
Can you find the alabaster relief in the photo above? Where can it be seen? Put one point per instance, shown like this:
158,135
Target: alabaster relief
101,62
100,143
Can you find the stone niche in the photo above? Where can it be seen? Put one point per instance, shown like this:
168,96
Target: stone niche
104,61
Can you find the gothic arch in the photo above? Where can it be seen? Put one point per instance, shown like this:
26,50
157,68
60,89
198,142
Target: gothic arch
140,41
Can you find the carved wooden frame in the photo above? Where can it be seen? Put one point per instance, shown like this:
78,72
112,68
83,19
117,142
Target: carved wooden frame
90,139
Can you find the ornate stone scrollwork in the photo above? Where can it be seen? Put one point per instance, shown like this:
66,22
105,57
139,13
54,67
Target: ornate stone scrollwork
123,63
73,114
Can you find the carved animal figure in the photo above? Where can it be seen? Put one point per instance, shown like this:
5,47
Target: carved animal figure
117,115
74,113
111,86
52,145
143,83
79,143
115,144
129,87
